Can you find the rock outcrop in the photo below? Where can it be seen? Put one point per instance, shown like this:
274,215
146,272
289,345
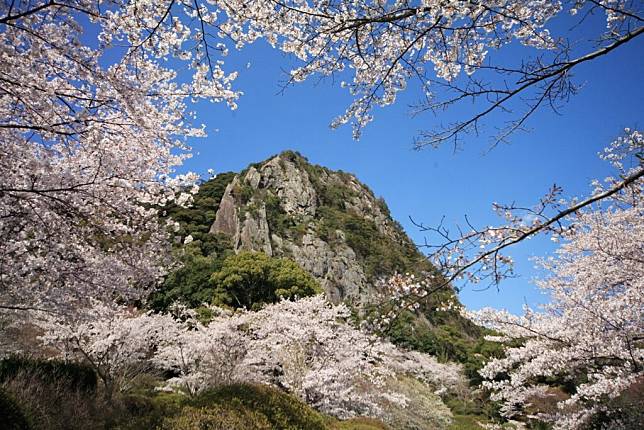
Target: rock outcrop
324,220
226,220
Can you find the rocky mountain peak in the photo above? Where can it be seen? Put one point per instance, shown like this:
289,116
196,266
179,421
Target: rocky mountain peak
327,221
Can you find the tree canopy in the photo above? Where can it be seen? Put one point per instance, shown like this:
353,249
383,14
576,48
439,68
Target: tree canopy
251,279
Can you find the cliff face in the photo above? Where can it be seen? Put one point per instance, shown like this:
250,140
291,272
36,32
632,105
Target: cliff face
327,221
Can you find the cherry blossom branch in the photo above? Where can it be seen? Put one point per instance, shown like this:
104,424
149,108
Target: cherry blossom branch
542,226
400,294
558,71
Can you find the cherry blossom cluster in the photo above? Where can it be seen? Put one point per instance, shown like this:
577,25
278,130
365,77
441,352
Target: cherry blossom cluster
591,332
391,297
307,347
377,48
384,45
394,296
117,341
90,137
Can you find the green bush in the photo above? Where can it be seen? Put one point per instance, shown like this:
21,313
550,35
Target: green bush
11,415
466,422
190,283
251,279
217,417
55,403
145,410
79,376
279,222
281,410
360,423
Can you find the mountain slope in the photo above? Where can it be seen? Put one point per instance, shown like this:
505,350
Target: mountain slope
327,221
334,227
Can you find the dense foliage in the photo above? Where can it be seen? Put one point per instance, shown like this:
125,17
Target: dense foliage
252,279
79,376
189,279
23,406
13,418
189,282
446,336
269,407
306,347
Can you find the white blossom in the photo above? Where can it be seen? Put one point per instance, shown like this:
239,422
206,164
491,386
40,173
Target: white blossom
590,332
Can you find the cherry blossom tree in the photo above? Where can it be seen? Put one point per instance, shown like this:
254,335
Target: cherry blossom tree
204,356
447,47
117,341
94,112
90,135
306,347
479,254
591,333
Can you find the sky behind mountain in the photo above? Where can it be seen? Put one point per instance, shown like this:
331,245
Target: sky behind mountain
426,185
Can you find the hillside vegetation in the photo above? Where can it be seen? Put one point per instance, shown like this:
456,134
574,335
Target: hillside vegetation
68,406
343,218
338,219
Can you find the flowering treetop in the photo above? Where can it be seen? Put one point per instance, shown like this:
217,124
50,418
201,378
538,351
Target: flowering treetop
591,331
90,135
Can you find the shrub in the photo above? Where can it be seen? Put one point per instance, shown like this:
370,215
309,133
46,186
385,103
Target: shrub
283,411
54,403
251,279
465,422
234,416
190,283
78,376
145,411
360,423
11,415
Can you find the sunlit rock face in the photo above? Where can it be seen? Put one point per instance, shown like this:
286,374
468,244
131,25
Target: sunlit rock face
322,219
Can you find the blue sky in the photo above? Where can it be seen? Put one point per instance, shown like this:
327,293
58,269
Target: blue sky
429,184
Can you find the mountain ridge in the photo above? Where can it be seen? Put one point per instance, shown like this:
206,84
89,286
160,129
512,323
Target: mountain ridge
336,229
327,221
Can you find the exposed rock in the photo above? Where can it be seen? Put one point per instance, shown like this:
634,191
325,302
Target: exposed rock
253,177
338,270
277,242
294,189
303,191
226,220
254,234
